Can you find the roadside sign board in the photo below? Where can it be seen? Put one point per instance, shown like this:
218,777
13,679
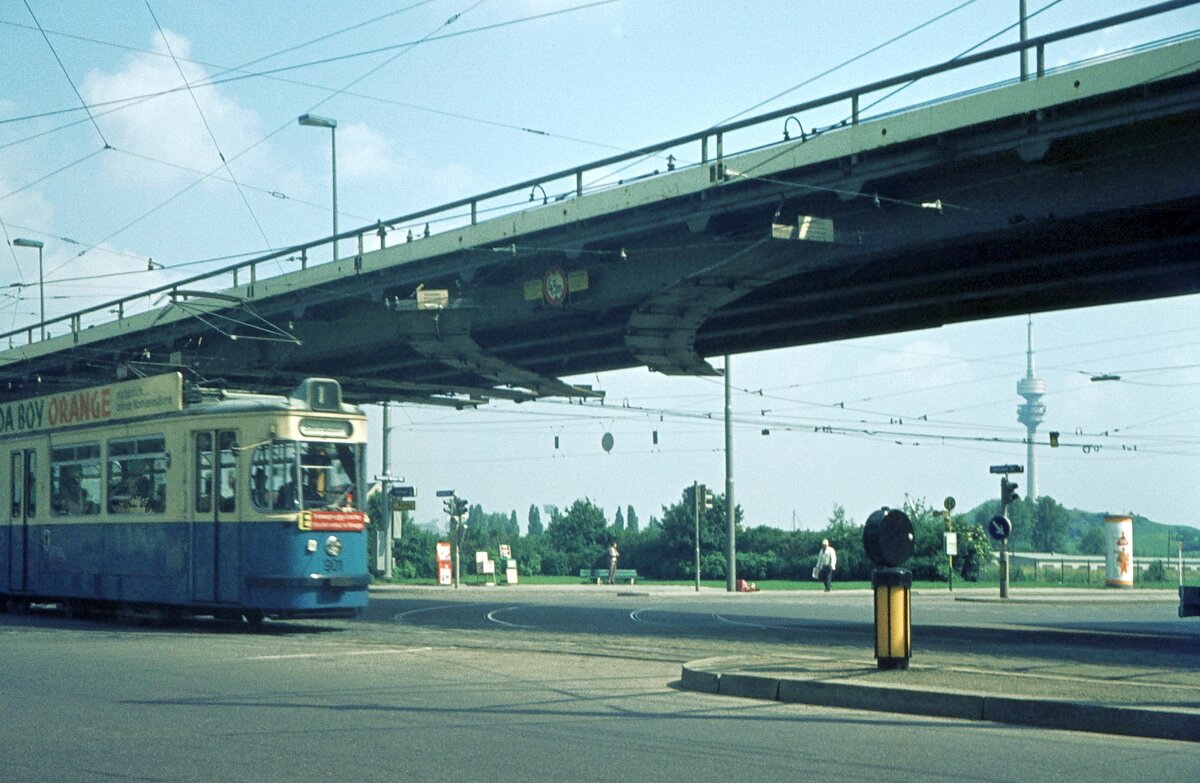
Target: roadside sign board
445,574
404,505
951,543
1007,469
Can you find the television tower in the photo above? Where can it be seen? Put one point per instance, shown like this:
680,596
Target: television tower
1031,414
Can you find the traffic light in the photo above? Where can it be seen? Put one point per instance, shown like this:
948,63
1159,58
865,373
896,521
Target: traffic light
460,508
1054,440
1008,493
706,497
448,506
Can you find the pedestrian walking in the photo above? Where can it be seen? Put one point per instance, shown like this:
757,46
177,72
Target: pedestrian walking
826,563
613,554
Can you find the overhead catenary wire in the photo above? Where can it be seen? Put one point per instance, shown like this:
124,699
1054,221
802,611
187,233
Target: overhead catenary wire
207,127
121,104
866,53
965,52
66,73
403,46
333,92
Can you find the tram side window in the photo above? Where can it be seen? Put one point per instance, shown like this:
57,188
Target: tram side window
273,477
18,483
204,472
75,480
137,475
31,483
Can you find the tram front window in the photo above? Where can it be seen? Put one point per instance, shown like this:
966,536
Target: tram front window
329,473
290,475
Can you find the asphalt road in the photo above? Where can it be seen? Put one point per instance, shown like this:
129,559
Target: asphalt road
515,686
1070,633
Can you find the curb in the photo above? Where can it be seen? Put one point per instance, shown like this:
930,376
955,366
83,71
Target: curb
1043,713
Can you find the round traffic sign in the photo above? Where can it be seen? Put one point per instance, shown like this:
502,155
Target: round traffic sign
999,528
554,286
949,503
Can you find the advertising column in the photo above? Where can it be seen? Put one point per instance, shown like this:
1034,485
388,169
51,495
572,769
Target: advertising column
1119,551
445,570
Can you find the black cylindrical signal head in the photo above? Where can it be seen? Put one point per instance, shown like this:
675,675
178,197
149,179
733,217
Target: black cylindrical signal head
888,537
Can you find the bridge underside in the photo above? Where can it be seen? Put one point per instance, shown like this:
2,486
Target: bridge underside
1091,202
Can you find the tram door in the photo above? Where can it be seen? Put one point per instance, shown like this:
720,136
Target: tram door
23,508
215,550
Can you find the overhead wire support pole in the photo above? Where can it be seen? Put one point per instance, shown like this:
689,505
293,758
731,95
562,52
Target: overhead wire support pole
730,515
696,516
387,490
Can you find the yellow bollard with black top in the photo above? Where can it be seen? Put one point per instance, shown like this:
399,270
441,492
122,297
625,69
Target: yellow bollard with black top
893,617
888,541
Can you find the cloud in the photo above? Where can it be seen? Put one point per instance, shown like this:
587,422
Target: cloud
25,214
167,127
365,153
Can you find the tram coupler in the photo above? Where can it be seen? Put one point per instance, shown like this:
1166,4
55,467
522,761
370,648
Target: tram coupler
893,617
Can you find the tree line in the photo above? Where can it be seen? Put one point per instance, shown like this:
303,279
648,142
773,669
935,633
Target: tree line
664,548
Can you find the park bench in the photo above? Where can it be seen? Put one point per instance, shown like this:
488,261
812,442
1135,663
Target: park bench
600,575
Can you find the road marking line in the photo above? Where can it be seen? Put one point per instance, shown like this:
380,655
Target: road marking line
747,625
636,616
400,617
491,616
339,654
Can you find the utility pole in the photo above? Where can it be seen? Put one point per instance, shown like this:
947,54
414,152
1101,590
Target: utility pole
696,520
383,539
387,490
730,516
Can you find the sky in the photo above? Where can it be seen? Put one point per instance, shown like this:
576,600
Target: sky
442,99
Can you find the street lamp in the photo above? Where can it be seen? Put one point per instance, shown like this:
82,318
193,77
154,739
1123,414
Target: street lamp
19,242
317,121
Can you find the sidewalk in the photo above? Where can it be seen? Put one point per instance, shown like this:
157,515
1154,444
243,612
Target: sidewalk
1133,701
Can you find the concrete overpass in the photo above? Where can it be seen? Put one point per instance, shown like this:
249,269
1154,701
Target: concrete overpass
1069,188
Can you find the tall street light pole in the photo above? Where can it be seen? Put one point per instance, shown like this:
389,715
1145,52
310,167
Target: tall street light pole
317,121
18,242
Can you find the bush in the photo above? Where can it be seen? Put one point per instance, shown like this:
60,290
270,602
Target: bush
751,565
555,563
1155,572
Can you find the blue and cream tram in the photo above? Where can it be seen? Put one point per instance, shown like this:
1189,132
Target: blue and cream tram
144,497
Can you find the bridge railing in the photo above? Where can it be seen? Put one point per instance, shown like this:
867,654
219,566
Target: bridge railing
707,147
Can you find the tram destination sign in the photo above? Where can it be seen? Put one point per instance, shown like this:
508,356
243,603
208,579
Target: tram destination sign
96,405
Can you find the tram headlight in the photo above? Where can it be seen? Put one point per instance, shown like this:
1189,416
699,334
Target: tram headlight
333,546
